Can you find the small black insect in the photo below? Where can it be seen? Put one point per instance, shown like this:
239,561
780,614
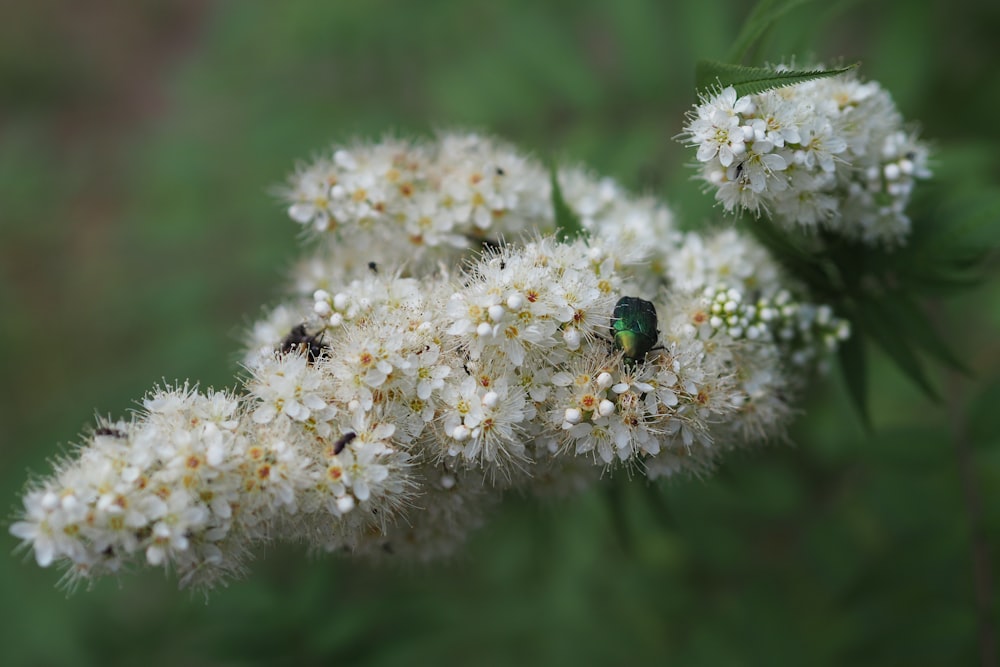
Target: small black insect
300,341
343,441
500,171
107,430
373,267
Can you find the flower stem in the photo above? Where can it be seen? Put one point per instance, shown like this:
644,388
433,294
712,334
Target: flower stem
982,568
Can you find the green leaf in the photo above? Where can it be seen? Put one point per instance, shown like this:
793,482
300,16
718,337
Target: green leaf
967,228
944,279
956,234
762,17
854,366
659,507
971,223
712,75
568,225
984,418
796,260
906,315
890,333
615,494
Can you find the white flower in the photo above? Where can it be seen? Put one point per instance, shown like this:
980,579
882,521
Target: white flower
820,144
425,368
717,129
39,528
274,474
174,519
291,385
309,196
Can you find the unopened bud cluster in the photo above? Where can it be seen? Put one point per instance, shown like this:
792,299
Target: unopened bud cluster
831,153
388,404
804,327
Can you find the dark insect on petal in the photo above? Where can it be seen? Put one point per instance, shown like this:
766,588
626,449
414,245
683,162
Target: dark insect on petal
300,341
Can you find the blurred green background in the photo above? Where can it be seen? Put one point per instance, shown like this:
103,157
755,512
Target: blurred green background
138,141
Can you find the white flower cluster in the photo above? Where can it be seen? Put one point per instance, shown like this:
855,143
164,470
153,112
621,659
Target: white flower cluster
192,482
419,205
422,199
388,406
830,153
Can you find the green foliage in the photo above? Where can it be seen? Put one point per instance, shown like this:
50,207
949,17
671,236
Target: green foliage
763,16
567,221
886,293
134,252
711,75
881,290
854,366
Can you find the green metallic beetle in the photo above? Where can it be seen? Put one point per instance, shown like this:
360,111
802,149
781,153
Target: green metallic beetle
634,325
